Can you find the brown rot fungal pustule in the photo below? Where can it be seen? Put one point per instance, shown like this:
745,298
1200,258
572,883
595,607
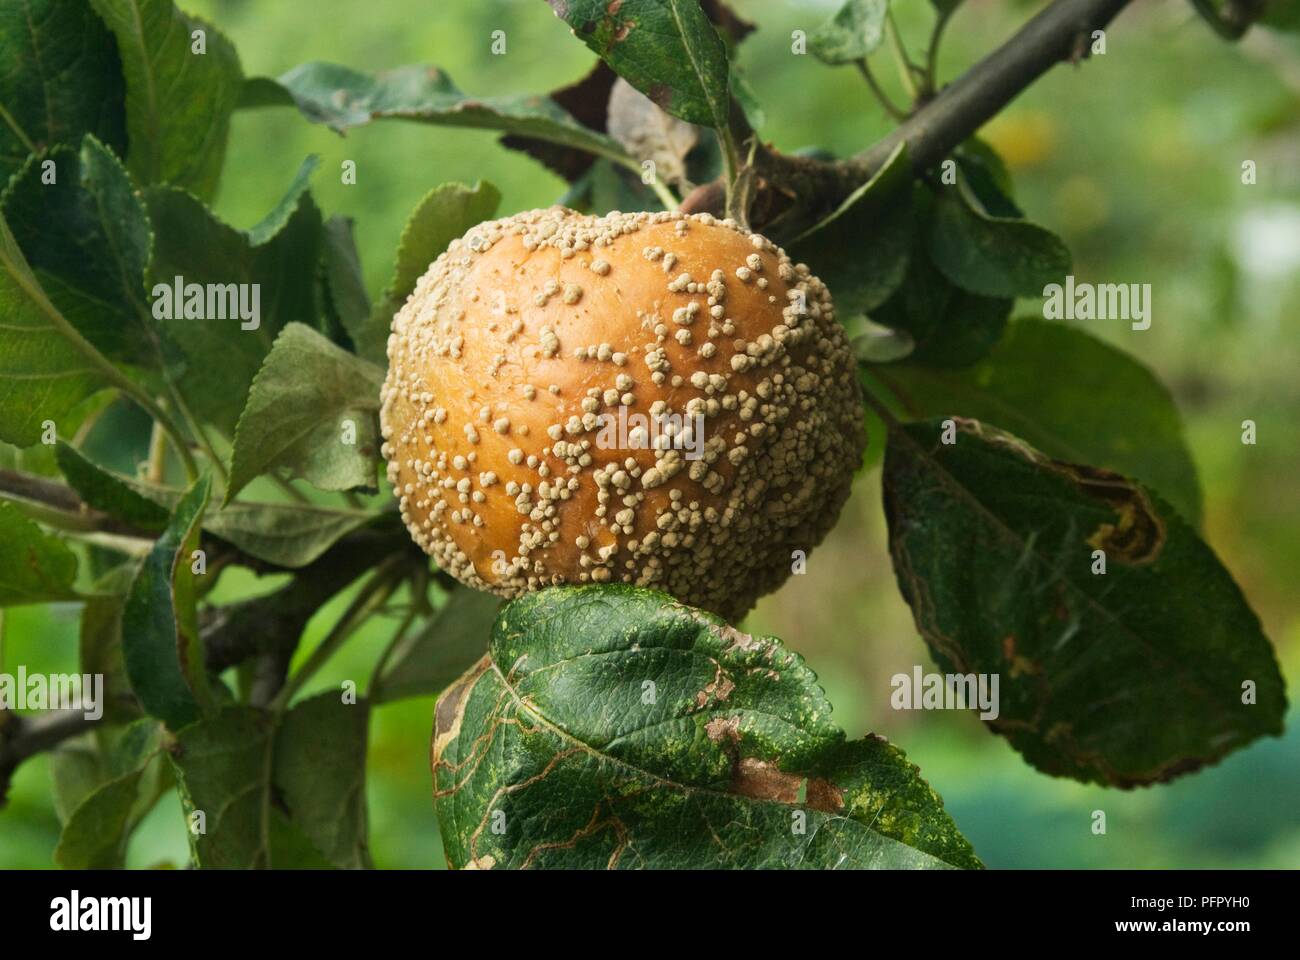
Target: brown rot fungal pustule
647,398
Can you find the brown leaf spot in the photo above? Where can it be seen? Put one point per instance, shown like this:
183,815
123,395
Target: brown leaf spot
763,781
661,94
450,709
824,796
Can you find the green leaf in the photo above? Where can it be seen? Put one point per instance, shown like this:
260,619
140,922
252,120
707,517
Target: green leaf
86,237
279,256
100,641
667,49
992,255
43,376
265,795
442,650
861,250
946,326
853,33
313,408
284,534
178,102
61,79
1100,405
97,828
344,98
614,727
345,288
1124,678
35,567
160,638
320,775
288,535
443,214
105,491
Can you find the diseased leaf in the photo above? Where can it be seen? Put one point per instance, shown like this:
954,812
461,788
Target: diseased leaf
160,637
1118,678
650,134
442,650
313,408
178,100
1099,406
276,261
342,98
443,214
35,566
861,250
43,376
86,237
266,795
992,255
62,78
853,33
587,102
667,49
613,727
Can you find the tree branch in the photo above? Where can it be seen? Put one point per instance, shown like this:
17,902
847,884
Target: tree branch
22,737
793,193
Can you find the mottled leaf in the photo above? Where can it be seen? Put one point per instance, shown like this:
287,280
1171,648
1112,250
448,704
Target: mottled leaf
613,727
441,650
313,408
667,49
160,638
278,256
443,214
994,256
1153,668
1099,406
35,566
178,100
861,250
60,78
853,33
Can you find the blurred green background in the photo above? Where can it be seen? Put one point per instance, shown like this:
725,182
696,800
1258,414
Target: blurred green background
1134,158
